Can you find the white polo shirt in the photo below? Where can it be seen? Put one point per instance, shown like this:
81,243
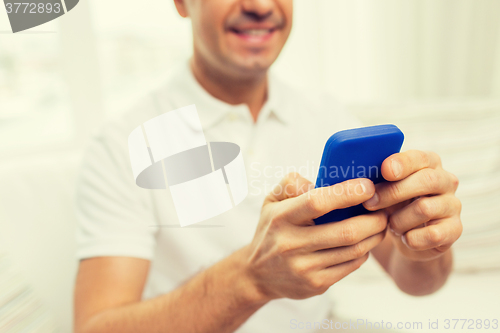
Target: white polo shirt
117,218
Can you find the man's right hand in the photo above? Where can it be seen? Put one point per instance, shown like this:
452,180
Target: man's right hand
292,257
288,257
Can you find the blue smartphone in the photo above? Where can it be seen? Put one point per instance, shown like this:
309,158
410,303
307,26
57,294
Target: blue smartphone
356,153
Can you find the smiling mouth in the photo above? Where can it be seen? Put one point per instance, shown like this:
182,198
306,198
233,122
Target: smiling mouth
253,32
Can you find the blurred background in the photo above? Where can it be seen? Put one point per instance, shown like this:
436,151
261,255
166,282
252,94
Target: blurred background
432,67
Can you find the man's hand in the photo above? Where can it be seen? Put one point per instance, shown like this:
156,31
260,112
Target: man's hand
424,214
291,257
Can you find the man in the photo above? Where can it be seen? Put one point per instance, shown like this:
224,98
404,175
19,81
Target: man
259,266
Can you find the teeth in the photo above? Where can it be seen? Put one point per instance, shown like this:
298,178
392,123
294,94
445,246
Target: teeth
256,32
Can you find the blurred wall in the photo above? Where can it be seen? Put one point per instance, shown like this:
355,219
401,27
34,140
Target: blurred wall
387,50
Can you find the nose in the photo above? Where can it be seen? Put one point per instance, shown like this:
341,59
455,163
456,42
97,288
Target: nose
259,9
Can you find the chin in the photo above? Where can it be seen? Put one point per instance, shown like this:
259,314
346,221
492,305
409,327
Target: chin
252,64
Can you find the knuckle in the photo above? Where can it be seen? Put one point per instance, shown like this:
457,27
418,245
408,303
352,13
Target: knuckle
436,236
292,175
460,228
458,205
395,191
290,190
423,157
317,284
424,207
358,250
432,179
283,247
348,234
299,268
435,156
290,178
314,203
454,181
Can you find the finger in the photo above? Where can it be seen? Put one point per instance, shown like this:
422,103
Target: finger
344,233
423,210
333,274
440,235
322,200
401,165
290,186
424,182
329,257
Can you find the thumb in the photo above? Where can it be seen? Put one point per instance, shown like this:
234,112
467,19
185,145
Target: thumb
292,185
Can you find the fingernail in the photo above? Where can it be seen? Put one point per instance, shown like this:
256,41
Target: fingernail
394,232
373,201
363,187
403,239
397,169
365,184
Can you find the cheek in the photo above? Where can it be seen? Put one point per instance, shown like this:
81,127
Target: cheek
287,9
210,29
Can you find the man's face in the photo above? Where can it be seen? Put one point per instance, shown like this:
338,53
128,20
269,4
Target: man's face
241,36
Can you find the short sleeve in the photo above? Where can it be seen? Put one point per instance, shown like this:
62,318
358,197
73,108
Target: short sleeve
115,217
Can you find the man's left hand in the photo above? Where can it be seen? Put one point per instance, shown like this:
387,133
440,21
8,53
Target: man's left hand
424,213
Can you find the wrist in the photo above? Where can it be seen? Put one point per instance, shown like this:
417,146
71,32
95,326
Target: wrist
420,277
253,291
231,277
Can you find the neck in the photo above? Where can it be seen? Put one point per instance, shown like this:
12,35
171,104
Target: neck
232,89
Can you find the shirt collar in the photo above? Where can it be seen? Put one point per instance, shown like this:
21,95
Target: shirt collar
184,89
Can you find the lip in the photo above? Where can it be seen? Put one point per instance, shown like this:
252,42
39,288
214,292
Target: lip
253,35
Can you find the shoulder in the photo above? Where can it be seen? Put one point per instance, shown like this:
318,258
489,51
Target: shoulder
114,130
107,152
